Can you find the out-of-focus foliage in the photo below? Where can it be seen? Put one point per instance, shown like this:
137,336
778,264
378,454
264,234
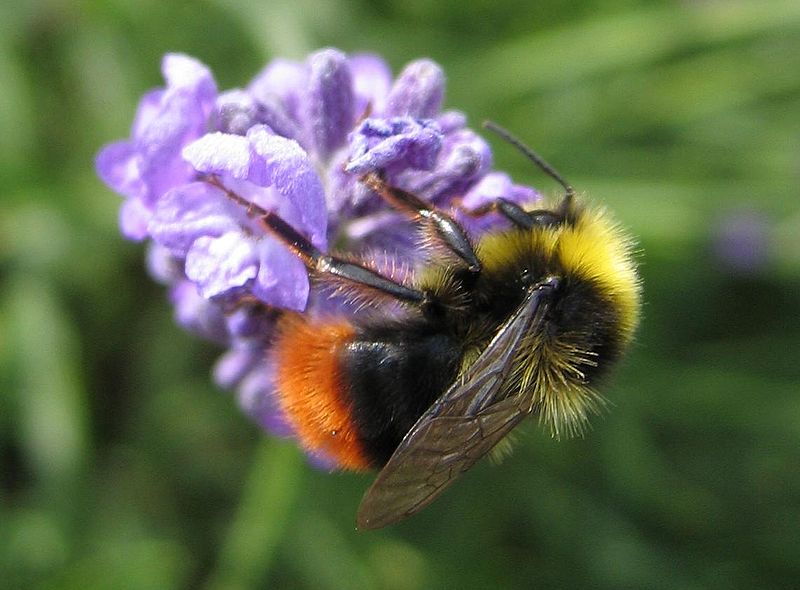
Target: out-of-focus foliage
123,467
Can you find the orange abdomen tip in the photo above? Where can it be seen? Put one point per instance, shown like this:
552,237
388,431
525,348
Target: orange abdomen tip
313,390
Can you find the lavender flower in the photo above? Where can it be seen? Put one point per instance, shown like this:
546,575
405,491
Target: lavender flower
294,142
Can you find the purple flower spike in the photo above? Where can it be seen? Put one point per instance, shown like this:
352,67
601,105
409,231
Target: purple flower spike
200,167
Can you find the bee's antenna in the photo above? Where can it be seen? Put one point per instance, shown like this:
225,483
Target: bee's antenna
532,156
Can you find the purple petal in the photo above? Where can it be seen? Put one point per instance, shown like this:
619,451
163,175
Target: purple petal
372,80
491,187
197,314
190,212
366,224
465,157
284,81
273,114
451,121
331,105
147,110
401,142
180,117
418,91
117,165
150,164
282,279
235,364
265,159
162,265
221,264
250,322
524,195
184,73
339,187
284,164
235,112
257,398
497,185
134,220
221,153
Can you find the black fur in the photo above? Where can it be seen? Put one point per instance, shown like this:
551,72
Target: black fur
394,374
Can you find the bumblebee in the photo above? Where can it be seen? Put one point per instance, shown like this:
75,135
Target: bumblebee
522,322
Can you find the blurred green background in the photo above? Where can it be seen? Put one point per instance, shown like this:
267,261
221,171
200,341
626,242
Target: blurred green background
124,467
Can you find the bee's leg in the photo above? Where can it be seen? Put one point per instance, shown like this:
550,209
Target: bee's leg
511,211
518,216
440,226
330,267
333,267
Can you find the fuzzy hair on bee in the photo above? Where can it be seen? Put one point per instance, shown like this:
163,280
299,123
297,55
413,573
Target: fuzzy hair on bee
523,322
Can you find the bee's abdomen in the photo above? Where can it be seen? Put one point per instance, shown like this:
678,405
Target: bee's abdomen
351,393
312,389
393,376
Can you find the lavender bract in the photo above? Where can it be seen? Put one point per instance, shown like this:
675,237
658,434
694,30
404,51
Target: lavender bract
294,142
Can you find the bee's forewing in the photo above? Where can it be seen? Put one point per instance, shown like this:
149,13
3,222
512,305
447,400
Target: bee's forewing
470,418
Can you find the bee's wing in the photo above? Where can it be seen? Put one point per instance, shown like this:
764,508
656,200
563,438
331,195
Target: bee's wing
459,428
